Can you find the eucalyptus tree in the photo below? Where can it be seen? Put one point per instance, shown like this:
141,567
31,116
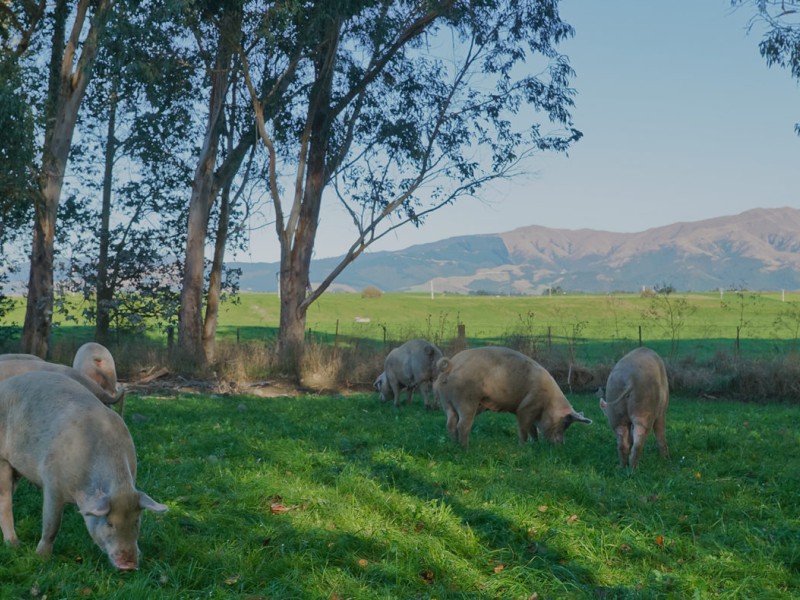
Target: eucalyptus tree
396,109
70,62
780,43
139,119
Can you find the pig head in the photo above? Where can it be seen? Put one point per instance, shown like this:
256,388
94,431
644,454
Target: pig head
502,380
54,433
635,402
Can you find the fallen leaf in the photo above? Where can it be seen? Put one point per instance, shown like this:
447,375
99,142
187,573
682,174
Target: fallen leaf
232,580
543,508
362,562
572,519
697,475
660,541
86,591
277,508
426,576
499,568
625,547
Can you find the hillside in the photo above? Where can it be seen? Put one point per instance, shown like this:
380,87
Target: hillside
757,249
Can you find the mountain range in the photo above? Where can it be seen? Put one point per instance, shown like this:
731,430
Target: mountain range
758,249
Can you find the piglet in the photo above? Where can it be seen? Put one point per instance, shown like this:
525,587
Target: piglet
55,434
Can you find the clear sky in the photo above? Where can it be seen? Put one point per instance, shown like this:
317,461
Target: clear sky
682,121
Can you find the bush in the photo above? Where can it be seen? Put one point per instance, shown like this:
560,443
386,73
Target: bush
371,292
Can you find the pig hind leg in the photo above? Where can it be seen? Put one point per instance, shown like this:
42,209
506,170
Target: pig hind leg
639,436
6,510
660,429
52,510
623,443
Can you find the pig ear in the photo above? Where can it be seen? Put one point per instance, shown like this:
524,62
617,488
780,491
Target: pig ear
97,506
574,417
148,503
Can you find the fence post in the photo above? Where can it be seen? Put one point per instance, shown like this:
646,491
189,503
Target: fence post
640,336
737,341
462,334
336,339
549,338
170,339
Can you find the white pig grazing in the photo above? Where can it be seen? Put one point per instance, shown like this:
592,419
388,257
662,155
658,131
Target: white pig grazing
10,368
410,366
55,434
502,380
636,400
95,362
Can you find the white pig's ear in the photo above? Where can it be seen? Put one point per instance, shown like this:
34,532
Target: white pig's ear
97,506
148,503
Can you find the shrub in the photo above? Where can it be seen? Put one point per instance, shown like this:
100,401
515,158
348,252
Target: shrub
371,292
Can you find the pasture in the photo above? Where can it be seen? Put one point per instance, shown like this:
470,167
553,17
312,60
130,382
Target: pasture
346,497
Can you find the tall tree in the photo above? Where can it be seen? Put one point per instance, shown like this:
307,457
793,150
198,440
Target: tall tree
226,18
139,118
404,107
780,44
71,62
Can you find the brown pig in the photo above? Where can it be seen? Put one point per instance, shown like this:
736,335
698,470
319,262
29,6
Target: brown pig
410,366
55,434
502,380
636,400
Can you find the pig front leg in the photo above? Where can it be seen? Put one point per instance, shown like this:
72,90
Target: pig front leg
6,512
52,510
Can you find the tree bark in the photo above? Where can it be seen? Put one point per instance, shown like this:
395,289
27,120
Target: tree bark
104,292
215,277
298,235
204,191
66,93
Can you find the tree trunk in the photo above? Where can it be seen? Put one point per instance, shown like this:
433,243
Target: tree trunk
215,277
297,244
104,292
63,103
204,191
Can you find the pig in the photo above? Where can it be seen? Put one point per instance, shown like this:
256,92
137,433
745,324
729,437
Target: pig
19,357
502,380
10,368
636,399
95,362
55,434
410,366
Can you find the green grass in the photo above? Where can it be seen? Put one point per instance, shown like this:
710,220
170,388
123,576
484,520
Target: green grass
588,327
382,505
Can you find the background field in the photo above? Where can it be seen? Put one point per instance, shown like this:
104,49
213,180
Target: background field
334,497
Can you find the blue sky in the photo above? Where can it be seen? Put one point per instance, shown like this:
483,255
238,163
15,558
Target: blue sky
682,121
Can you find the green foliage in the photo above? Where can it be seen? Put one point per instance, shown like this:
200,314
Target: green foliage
321,497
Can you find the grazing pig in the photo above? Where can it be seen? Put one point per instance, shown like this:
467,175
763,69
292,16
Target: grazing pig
636,399
10,368
502,380
410,366
95,362
55,434
19,357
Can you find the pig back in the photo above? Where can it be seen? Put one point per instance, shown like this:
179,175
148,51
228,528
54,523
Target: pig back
501,374
54,428
637,386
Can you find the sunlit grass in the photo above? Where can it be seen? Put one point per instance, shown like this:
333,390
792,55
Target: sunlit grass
346,497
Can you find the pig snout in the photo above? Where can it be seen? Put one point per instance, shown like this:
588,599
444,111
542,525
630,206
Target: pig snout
125,560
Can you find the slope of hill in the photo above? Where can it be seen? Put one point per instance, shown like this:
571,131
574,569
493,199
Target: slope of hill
757,249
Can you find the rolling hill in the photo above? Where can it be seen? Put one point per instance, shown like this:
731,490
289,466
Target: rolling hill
757,249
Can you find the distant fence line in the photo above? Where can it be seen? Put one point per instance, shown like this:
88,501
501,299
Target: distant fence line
583,343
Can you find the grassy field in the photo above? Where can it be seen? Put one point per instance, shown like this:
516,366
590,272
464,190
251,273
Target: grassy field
585,326
345,497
